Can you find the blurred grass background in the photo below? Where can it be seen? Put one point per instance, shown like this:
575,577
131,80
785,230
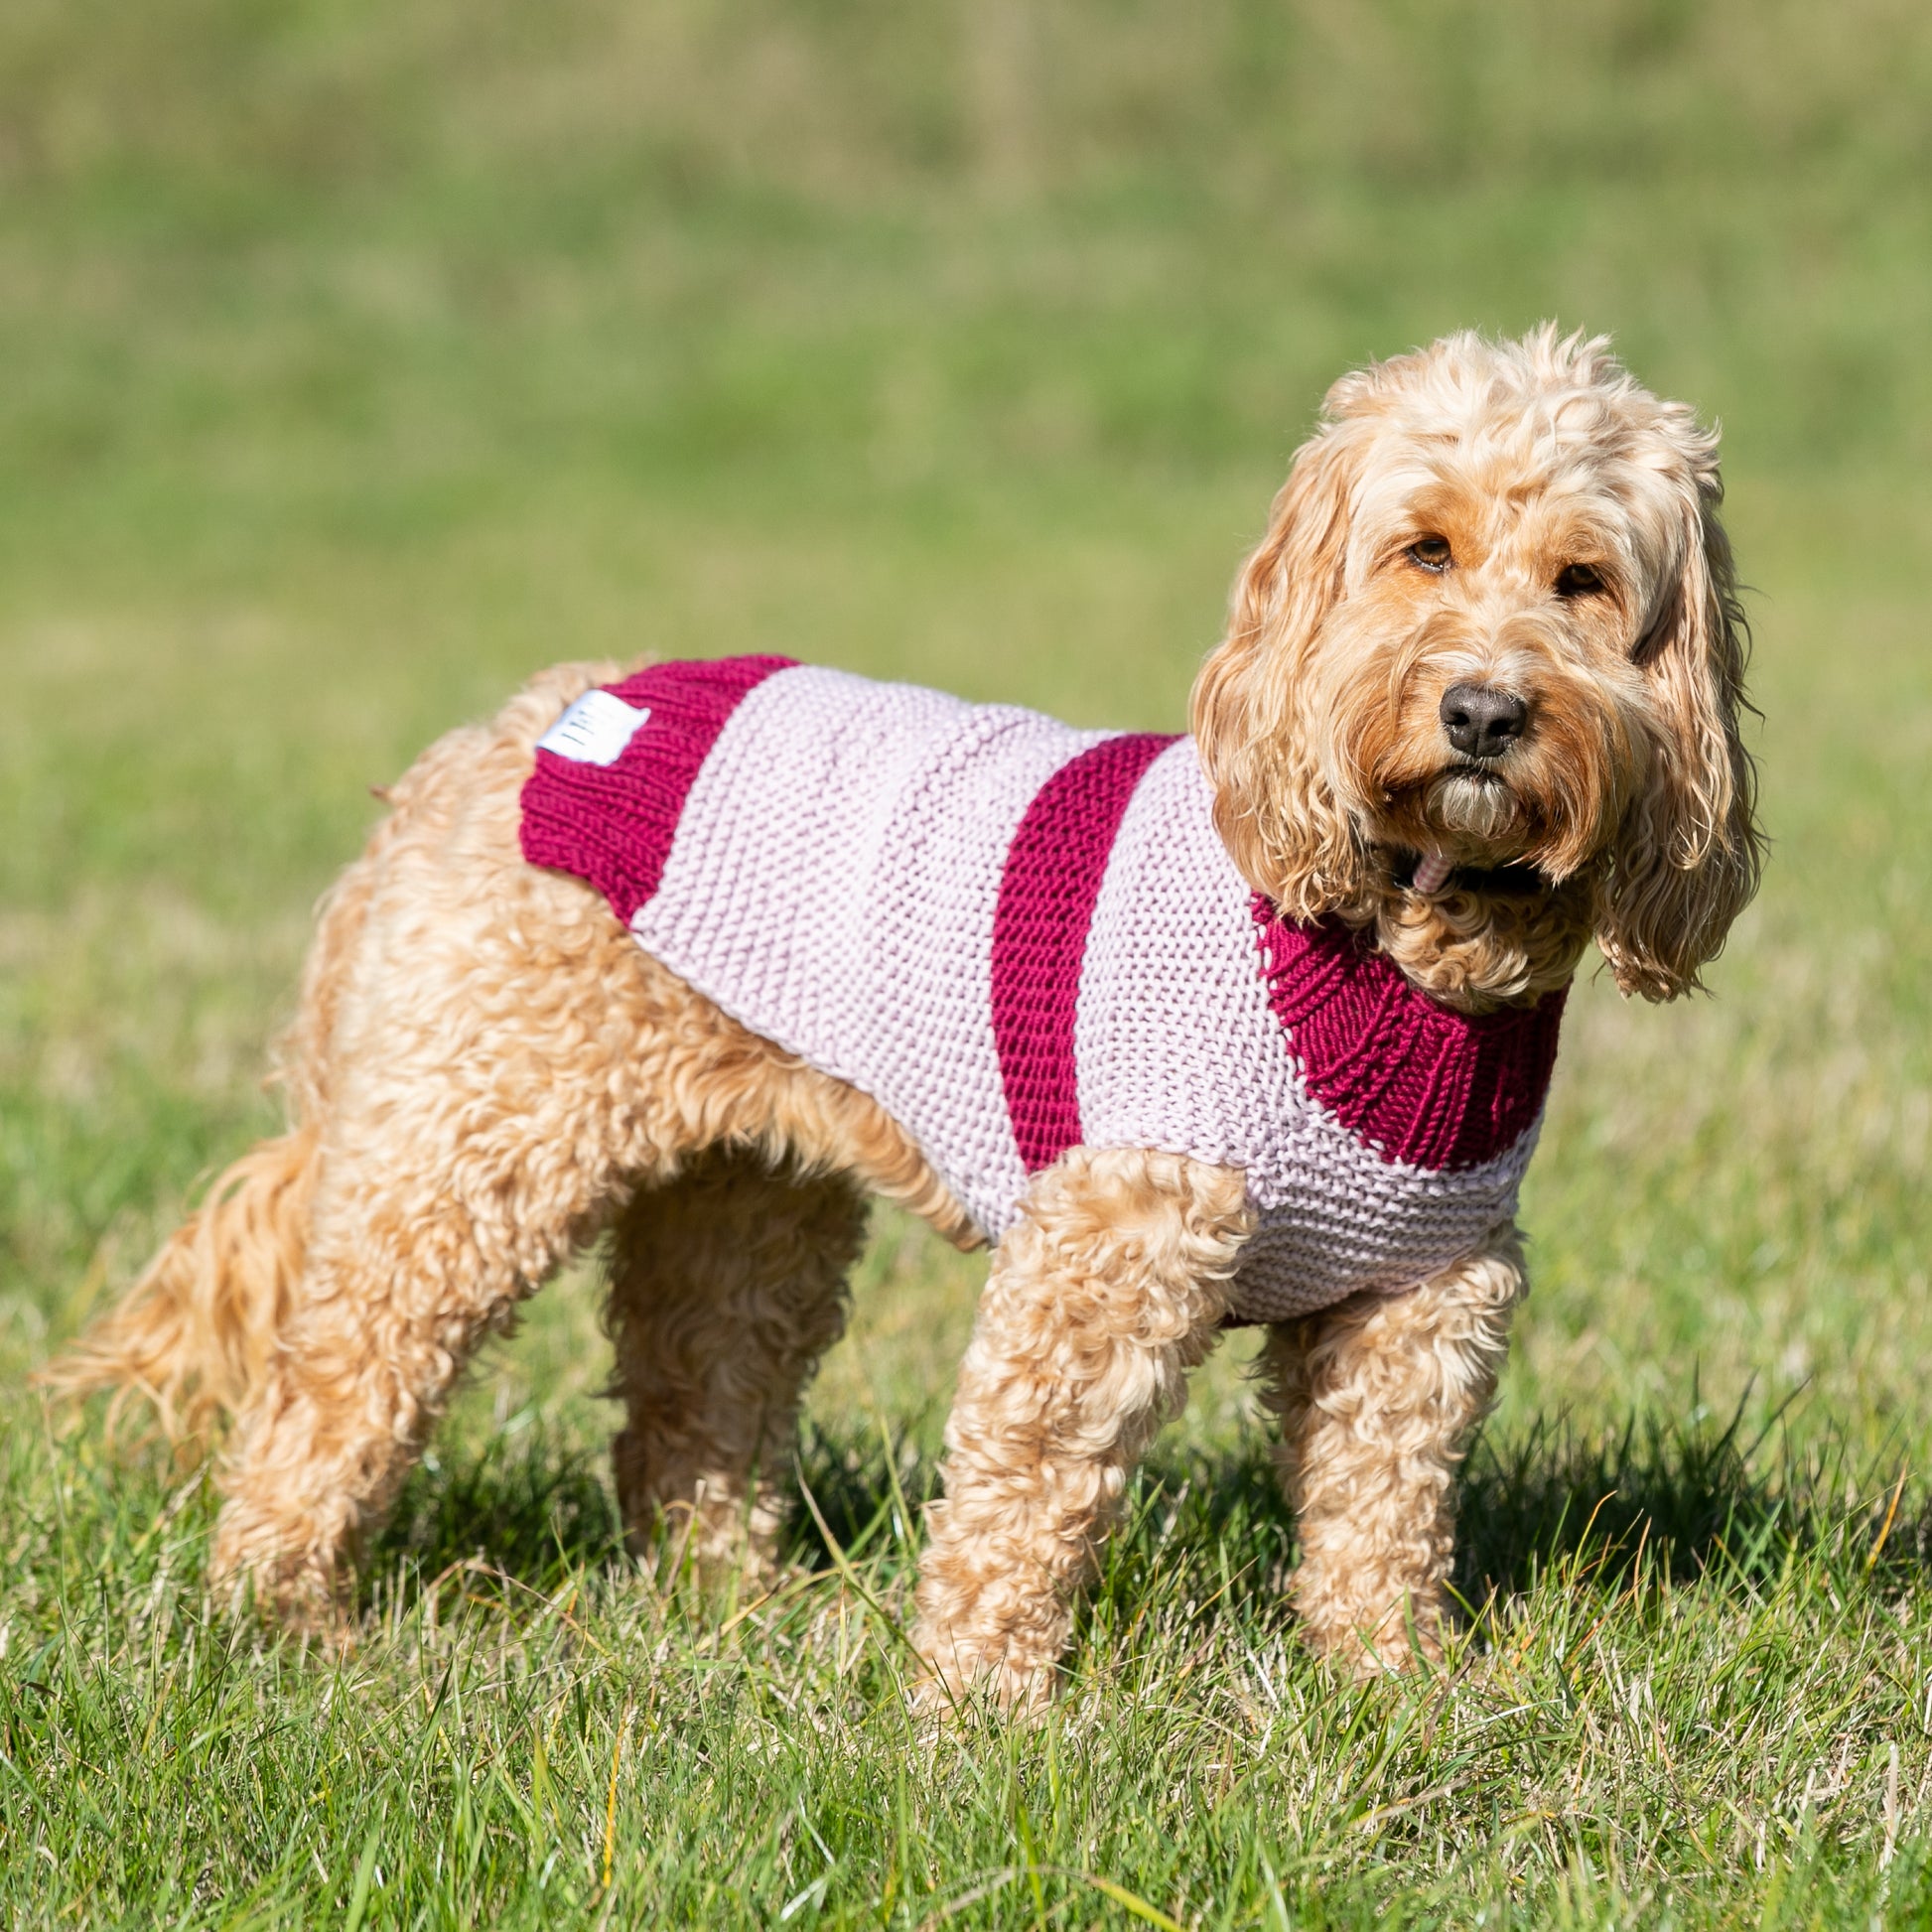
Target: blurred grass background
357,358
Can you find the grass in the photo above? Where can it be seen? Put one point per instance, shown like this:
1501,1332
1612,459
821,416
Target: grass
359,359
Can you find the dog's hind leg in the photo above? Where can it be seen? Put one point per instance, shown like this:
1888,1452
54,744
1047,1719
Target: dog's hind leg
1106,1291
503,1064
438,1207
727,1285
1376,1398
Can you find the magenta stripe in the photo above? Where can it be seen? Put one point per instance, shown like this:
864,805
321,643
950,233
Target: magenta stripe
1047,891
614,824
1422,1084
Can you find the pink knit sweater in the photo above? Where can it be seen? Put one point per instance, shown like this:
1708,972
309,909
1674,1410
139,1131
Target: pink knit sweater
1020,937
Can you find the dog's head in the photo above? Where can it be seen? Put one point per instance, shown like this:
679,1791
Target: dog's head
1482,679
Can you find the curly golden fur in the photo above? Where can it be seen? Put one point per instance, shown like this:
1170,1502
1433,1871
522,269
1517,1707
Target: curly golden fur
488,1071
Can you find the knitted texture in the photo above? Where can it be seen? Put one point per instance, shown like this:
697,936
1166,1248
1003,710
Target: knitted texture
1048,889
1423,1084
1018,936
613,823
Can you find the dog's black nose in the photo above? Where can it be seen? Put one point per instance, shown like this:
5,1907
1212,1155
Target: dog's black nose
1483,722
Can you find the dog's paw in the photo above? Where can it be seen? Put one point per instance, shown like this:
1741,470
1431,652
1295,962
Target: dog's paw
957,1682
1366,1653
299,1592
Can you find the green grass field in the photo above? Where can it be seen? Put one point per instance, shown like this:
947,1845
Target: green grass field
356,360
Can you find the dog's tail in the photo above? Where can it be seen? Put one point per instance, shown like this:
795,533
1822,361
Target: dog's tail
196,1332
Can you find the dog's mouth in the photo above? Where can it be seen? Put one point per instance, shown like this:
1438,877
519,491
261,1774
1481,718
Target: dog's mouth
1467,825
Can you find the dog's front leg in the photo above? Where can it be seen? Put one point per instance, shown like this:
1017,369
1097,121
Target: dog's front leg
1109,1288
1377,1397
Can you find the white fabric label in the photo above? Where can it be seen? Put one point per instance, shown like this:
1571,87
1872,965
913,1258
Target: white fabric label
595,730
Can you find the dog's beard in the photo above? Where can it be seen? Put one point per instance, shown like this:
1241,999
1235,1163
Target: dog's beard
1466,815
1469,802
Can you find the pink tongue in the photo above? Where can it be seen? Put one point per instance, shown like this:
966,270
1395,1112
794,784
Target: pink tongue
1431,872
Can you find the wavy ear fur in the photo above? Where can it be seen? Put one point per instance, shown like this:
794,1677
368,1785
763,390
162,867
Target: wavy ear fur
1687,856
1274,807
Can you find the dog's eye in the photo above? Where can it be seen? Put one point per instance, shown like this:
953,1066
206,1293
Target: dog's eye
1432,553
1577,580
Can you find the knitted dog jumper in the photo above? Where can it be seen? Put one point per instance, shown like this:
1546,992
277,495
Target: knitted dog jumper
1018,938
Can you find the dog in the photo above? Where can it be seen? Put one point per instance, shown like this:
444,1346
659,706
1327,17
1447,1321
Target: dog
1249,1026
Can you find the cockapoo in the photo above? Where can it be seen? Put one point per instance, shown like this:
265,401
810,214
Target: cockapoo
1250,1026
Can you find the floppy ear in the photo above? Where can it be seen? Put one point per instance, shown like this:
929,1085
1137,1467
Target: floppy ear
1275,810
1687,856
